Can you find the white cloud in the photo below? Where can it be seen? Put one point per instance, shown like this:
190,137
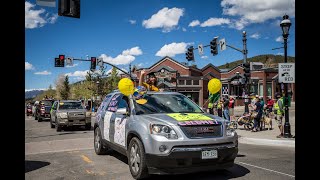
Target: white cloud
36,18
74,65
139,65
126,57
279,39
184,29
81,74
215,22
132,21
279,53
166,18
172,49
43,73
255,36
28,66
135,51
204,57
194,23
257,11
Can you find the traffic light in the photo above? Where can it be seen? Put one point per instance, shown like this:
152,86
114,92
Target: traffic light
69,8
246,70
93,63
213,46
189,54
59,62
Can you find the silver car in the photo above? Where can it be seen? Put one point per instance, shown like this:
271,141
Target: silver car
66,113
167,133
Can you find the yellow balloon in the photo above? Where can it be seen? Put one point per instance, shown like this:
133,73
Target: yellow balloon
214,85
126,86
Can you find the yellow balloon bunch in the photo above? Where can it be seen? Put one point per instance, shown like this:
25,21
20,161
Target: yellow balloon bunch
214,85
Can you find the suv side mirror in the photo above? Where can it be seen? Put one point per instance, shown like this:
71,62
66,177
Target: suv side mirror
122,111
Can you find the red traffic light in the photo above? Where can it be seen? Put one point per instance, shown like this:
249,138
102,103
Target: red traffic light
93,59
61,57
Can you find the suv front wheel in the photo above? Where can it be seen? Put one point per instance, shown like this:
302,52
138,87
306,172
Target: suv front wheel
136,159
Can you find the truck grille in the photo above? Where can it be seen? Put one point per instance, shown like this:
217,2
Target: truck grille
76,115
205,131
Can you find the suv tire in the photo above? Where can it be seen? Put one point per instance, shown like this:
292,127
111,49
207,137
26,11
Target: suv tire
136,159
98,146
51,125
88,126
58,127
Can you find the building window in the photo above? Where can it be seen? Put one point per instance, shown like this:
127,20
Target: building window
188,82
195,82
260,89
269,89
181,82
254,89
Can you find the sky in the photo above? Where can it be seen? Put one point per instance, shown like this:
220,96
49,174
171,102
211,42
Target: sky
142,32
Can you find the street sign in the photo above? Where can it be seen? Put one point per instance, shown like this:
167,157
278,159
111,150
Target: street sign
286,73
100,62
69,61
222,44
200,49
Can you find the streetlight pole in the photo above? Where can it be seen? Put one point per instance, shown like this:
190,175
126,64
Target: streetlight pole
285,25
246,89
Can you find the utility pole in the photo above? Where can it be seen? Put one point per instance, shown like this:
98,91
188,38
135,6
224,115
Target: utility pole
247,86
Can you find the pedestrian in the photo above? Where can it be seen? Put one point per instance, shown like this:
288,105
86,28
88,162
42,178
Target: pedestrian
151,82
270,103
258,115
263,111
231,107
226,108
219,107
212,105
279,112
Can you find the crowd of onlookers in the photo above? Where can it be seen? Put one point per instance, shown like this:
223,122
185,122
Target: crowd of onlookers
273,108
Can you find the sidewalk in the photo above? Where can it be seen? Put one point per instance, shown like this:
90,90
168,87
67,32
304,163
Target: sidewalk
267,137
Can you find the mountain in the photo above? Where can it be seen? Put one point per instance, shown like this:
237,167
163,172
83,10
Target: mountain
32,93
267,59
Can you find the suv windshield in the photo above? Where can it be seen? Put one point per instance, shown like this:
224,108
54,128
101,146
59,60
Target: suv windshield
70,105
166,103
47,103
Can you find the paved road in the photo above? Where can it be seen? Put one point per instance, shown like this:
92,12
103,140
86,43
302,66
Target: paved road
70,155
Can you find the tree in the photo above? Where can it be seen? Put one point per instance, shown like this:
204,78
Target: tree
227,65
59,85
50,87
65,90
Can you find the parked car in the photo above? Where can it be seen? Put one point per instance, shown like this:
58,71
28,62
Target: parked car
165,133
66,113
29,109
42,111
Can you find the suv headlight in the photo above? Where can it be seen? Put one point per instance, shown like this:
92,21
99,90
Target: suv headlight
229,130
62,115
163,130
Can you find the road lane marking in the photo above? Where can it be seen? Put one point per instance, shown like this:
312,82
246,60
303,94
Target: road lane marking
266,169
86,159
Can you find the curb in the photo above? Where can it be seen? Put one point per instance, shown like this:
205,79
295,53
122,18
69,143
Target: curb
267,142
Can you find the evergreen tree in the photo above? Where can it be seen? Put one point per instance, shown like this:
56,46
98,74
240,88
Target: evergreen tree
65,90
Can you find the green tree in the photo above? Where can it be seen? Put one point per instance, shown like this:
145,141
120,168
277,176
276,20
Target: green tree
227,65
65,90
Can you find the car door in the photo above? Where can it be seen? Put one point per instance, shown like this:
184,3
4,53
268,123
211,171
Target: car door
109,117
103,117
53,111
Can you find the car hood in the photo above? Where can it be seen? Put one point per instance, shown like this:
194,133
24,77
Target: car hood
72,110
182,118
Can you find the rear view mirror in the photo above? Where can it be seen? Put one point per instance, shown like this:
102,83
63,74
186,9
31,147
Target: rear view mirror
122,111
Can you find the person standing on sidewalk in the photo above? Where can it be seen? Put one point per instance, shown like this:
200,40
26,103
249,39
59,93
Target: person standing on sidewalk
279,112
270,103
231,108
219,107
258,111
226,108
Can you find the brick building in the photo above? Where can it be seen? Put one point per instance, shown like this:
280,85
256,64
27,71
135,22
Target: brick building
192,81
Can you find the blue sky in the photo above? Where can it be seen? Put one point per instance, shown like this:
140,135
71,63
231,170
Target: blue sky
143,32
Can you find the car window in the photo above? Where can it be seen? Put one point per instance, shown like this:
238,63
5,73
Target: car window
70,105
103,105
166,103
47,103
112,105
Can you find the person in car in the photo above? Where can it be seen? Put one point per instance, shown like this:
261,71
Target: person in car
151,83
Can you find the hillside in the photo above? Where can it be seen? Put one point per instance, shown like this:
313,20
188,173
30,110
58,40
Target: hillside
32,93
266,59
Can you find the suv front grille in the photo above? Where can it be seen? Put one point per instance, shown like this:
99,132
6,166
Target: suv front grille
206,131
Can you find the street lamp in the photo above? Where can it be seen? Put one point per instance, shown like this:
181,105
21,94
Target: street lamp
285,26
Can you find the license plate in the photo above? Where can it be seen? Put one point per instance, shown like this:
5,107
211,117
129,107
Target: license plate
209,154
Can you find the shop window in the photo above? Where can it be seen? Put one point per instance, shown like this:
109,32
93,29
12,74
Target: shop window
269,89
181,82
188,82
195,82
260,89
